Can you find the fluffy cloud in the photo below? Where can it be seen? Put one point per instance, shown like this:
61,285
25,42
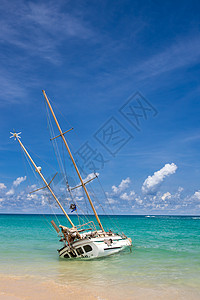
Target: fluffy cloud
10,192
197,195
180,189
152,182
166,196
111,201
18,181
139,200
122,186
2,186
128,197
15,184
88,178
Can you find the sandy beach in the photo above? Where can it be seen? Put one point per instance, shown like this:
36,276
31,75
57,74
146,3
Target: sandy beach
32,288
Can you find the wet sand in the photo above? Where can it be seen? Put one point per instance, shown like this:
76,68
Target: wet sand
32,288
35,288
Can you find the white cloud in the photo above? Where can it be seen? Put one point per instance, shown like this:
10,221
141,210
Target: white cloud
166,196
127,197
122,186
197,195
111,200
32,196
2,186
152,182
79,198
90,176
139,200
10,192
180,189
124,196
15,184
18,181
33,186
44,201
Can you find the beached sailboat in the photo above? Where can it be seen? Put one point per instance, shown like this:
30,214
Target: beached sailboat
85,240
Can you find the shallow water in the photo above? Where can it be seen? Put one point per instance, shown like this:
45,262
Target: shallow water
166,252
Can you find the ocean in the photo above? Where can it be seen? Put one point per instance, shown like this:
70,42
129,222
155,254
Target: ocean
165,254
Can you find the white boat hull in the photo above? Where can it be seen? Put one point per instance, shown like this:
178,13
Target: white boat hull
95,247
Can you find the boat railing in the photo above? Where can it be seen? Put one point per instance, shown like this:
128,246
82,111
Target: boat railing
90,224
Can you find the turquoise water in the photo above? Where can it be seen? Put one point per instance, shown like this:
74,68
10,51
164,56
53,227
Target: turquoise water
166,251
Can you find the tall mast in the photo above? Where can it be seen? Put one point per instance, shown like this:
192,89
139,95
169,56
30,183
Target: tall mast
73,161
38,170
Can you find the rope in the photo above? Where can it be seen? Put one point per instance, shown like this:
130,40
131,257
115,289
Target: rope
115,224
63,168
58,157
31,151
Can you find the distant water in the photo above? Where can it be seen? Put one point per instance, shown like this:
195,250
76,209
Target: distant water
166,252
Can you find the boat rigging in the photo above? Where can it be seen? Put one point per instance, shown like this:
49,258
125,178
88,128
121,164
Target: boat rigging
79,241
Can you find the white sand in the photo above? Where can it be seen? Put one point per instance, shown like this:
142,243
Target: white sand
32,288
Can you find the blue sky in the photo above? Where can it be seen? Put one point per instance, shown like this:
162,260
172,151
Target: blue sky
96,60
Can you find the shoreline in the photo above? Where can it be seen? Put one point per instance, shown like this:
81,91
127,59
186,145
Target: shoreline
31,287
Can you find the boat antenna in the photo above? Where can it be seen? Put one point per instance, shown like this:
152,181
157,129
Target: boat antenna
73,161
38,170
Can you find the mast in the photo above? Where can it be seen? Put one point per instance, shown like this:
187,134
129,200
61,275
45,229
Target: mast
73,161
38,170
